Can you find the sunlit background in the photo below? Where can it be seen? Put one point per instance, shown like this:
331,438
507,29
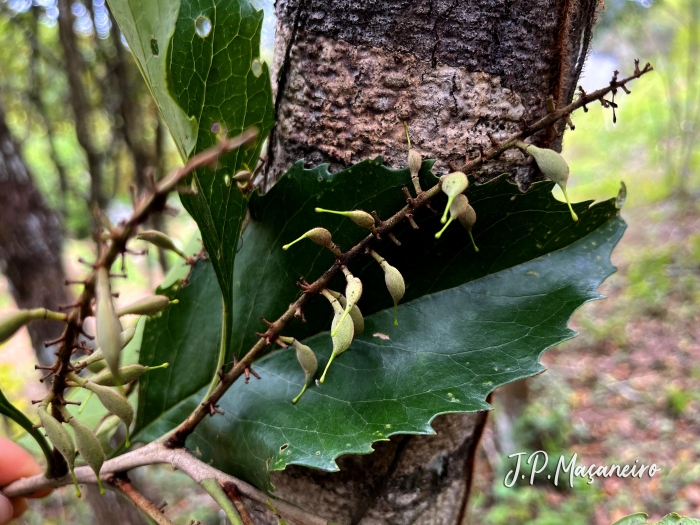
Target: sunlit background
625,389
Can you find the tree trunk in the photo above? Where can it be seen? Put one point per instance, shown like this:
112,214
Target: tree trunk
31,241
458,72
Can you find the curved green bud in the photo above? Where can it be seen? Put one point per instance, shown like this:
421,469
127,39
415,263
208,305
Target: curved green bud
146,306
553,166
126,336
89,447
359,217
243,176
309,363
105,429
318,235
128,374
10,323
344,330
107,326
452,185
115,403
394,282
457,207
353,292
355,314
61,439
162,241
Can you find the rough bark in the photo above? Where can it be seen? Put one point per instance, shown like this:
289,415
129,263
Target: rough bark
350,72
347,74
31,240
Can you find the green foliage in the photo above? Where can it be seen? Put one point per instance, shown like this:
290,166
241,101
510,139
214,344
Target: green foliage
491,314
9,410
207,70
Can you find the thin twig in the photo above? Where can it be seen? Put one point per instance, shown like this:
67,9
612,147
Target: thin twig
179,436
156,453
147,506
119,236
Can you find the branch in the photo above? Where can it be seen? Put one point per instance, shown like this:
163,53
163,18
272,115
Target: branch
551,118
147,506
155,202
153,454
208,406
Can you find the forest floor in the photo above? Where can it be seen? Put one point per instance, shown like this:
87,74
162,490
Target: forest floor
623,390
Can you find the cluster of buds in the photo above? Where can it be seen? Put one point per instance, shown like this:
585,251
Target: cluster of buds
108,385
347,322
347,319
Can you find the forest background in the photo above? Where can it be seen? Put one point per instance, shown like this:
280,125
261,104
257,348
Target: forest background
74,101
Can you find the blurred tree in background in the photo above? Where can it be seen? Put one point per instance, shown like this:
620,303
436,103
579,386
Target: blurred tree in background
87,128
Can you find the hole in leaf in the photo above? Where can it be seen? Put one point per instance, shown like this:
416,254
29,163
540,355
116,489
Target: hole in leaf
284,447
154,47
202,26
256,67
215,127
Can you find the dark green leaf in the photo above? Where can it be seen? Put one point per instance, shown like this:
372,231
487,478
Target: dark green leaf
474,321
452,349
9,410
208,77
186,335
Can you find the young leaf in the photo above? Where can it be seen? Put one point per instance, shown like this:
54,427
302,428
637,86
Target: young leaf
9,410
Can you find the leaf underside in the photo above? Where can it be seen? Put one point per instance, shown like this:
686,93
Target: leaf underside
206,84
468,324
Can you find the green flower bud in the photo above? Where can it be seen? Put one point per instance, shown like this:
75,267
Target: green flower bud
89,447
353,292
115,403
342,327
318,235
146,306
553,166
309,363
61,439
242,176
10,323
126,336
355,314
127,374
458,206
105,430
394,282
452,185
359,217
414,162
107,326
162,241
